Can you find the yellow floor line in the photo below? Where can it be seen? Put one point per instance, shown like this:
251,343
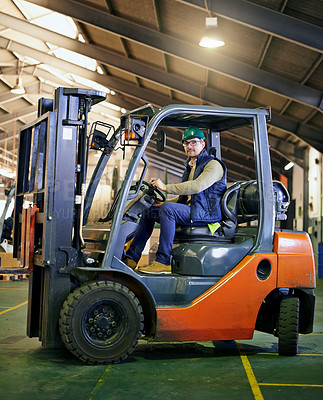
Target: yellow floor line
250,375
13,308
311,355
276,354
289,384
100,381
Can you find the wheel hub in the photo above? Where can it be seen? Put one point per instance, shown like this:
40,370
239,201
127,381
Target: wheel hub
102,322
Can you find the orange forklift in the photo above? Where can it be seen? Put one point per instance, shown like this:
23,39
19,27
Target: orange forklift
251,276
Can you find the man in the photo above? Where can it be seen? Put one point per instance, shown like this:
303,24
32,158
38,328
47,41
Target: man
198,203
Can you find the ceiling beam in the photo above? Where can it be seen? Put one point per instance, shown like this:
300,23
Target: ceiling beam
117,84
171,81
265,20
186,51
6,97
25,112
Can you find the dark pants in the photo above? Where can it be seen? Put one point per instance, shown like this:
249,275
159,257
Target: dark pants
168,215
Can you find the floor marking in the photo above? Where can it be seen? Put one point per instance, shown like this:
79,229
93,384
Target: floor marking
12,288
100,381
289,384
311,355
250,375
276,354
13,308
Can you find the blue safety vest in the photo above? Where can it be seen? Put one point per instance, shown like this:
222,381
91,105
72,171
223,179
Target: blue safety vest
206,205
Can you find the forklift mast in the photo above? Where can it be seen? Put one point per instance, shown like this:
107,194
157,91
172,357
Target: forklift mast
51,173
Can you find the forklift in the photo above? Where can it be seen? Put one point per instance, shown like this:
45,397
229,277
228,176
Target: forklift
253,275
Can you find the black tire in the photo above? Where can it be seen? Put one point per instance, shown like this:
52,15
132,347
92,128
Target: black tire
101,322
288,326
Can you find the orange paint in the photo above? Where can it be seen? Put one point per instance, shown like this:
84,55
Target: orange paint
296,266
228,310
28,237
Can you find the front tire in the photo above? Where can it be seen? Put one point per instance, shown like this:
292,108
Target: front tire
101,322
288,325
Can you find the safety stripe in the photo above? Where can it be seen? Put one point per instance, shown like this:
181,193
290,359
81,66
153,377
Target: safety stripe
100,381
250,375
289,384
13,308
298,354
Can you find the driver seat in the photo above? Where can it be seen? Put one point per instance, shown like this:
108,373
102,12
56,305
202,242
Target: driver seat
226,232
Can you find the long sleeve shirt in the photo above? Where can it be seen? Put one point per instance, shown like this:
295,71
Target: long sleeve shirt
212,172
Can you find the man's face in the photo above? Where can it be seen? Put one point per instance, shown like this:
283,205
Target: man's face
193,147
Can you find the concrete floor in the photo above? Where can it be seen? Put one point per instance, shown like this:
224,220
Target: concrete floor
200,370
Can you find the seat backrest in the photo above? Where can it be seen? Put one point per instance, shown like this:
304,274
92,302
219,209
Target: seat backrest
229,204
228,223
248,201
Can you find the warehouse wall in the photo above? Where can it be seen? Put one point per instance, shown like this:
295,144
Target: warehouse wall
315,209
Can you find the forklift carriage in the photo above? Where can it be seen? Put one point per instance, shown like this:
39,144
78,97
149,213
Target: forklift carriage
247,276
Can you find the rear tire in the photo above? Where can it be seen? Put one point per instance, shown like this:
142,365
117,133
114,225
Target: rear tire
101,322
288,326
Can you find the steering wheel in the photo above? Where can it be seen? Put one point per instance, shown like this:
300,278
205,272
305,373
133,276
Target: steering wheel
154,192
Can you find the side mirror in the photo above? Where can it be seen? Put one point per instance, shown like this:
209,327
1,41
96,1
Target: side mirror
160,140
99,140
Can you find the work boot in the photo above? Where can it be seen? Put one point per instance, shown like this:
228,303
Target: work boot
130,262
157,268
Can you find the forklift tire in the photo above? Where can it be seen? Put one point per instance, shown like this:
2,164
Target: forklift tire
288,326
101,322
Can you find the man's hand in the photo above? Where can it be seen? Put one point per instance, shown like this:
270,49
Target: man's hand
158,183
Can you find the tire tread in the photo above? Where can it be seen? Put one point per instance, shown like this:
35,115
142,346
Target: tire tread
288,326
66,315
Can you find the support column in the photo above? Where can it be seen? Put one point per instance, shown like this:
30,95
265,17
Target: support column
306,191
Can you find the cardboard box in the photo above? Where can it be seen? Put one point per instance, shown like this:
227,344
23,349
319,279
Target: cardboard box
7,260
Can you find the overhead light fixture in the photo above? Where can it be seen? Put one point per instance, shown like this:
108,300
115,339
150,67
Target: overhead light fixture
212,37
6,173
18,88
288,166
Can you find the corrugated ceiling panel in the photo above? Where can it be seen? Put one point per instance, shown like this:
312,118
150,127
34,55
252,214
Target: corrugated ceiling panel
228,85
146,54
156,88
105,39
263,98
298,111
315,79
288,59
317,121
123,75
138,11
186,69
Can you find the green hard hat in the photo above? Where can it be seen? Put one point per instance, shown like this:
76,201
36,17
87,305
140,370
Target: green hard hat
193,132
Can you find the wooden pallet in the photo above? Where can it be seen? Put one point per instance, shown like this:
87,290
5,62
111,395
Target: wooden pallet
13,277
13,274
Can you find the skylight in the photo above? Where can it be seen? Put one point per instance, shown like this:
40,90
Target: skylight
65,26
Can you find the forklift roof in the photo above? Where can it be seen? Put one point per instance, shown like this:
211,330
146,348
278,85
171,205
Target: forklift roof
203,116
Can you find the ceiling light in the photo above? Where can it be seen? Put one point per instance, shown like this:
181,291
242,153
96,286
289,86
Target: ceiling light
288,166
18,88
6,173
212,37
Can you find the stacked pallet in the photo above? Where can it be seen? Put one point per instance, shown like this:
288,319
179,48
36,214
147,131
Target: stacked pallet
9,269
